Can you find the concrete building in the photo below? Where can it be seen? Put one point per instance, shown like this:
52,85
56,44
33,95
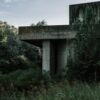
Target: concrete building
78,12
57,42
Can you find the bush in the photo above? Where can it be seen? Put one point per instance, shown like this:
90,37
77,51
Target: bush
21,78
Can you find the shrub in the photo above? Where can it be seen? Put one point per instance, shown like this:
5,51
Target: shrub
21,78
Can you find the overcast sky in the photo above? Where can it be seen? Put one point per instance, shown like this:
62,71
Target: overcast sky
25,12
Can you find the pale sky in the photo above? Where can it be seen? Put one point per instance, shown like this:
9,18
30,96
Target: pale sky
26,12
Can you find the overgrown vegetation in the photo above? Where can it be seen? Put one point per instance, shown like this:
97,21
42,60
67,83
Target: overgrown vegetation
57,91
20,62
20,68
86,66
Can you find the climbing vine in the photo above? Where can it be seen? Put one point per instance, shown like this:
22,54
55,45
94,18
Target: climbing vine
87,50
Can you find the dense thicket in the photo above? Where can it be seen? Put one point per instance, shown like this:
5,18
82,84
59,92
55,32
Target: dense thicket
87,50
20,62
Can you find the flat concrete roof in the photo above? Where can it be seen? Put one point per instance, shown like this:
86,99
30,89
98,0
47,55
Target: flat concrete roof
44,29
46,32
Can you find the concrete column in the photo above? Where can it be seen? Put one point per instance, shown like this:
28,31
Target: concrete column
46,56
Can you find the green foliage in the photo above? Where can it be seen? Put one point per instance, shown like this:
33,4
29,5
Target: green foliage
28,77
15,54
19,61
29,50
87,49
59,91
40,23
22,79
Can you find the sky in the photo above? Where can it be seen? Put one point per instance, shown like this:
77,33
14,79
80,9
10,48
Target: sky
26,12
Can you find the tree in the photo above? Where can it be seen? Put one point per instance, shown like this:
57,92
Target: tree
40,23
14,54
19,61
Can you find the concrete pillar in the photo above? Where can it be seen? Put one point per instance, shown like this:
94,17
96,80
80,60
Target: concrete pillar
55,55
46,56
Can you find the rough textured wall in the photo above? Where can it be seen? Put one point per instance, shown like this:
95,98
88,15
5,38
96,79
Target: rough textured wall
78,11
47,32
46,56
44,29
65,49
55,44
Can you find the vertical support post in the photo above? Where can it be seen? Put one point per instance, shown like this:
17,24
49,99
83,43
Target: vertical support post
46,56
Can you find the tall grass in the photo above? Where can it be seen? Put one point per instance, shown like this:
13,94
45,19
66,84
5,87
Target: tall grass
59,91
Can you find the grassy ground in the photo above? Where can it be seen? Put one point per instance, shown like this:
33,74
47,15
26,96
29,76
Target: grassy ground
61,91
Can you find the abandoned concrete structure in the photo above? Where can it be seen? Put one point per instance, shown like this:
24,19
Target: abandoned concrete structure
78,12
57,41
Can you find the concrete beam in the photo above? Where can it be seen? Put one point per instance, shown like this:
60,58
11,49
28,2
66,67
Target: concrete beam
49,36
47,32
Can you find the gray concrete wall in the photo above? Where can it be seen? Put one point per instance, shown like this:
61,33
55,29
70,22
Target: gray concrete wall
54,41
65,49
47,32
62,54
55,54
48,36
78,11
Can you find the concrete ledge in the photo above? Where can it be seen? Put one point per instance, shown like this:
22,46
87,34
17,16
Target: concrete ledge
44,29
44,36
46,32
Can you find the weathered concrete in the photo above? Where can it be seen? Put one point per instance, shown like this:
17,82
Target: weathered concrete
46,56
63,53
55,42
78,12
54,35
46,32
55,55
